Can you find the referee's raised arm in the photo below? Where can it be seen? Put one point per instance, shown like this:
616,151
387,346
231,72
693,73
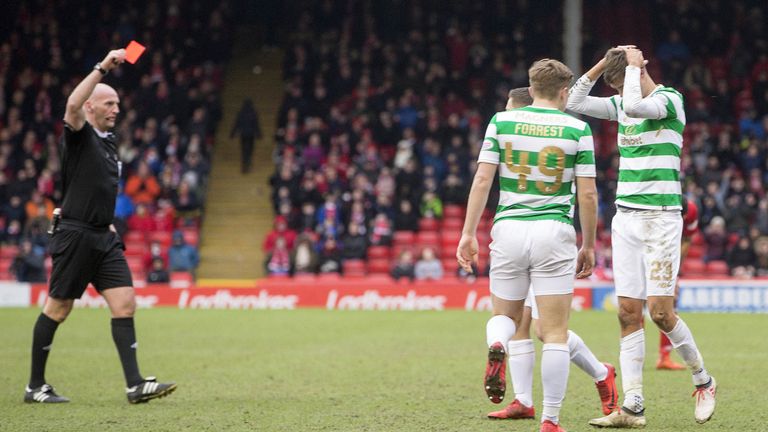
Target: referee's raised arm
74,116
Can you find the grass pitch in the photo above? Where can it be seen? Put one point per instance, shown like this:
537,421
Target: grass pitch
317,370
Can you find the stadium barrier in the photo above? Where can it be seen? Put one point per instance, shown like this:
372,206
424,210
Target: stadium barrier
386,294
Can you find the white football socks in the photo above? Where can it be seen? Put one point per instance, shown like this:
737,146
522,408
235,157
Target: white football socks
682,339
631,358
582,357
555,366
522,357
500,328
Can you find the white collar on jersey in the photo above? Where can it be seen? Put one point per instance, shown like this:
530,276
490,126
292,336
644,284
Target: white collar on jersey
100,133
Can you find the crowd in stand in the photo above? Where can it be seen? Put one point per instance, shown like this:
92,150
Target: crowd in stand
170,107
384,110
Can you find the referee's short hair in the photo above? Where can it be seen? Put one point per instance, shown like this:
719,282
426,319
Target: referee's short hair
520,97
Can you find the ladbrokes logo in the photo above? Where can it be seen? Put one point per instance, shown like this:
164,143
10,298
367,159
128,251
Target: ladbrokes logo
372,300
223,299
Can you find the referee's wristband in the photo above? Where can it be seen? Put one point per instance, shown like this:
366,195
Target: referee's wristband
100,69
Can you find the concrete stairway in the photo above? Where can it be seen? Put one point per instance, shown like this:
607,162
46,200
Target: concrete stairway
238,211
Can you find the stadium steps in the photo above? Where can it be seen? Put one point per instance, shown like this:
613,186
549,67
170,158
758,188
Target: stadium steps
238,210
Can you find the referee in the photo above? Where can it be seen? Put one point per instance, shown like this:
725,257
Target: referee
85,246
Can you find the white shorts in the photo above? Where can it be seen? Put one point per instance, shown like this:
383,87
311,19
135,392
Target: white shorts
530,302
646,252
540,255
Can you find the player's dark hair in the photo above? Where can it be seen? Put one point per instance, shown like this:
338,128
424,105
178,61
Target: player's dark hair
520,97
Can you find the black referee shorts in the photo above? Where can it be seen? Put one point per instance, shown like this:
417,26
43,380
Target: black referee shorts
86,255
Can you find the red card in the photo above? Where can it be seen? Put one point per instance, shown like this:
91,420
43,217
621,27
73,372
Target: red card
133,51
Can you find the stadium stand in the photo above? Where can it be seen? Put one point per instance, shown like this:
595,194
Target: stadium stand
170,110
383,116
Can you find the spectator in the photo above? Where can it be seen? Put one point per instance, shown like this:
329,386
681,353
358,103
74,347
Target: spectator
406,219
142,186
381,232
279,259
124,207
29,264
454,190
761,256
37,229
181,256
13,232
186,202
142,220
304,258
158,273
280,230
14,211
741,259
431,206
155,251
37,200
247,126
404,266
354,243
716,239
428,267
330,257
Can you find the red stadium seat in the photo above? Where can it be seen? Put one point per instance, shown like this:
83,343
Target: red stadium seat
693,267
428,237
695,251
329,277
718,268
450,239
136,248
450,266
398,249
378,252
354,268
403,237
698,239
5,265
163,237
378,266
9,251
134,236
448,253
181,279
428,224
452,224
453,211
191,235
135,263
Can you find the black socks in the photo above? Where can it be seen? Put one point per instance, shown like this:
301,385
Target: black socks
42,338
124,335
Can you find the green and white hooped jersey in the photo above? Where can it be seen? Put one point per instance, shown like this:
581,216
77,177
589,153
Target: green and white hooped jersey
539,151
649,150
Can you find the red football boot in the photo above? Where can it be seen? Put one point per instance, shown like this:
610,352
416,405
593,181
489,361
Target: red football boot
606,388
548,426
514,411
495,373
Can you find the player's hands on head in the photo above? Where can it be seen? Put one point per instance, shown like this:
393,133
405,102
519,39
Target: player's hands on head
466,253
113,59
585,263
635,57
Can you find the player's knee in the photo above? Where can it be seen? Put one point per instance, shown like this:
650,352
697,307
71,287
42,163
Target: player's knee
58,310
664,319
629,316
125,309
